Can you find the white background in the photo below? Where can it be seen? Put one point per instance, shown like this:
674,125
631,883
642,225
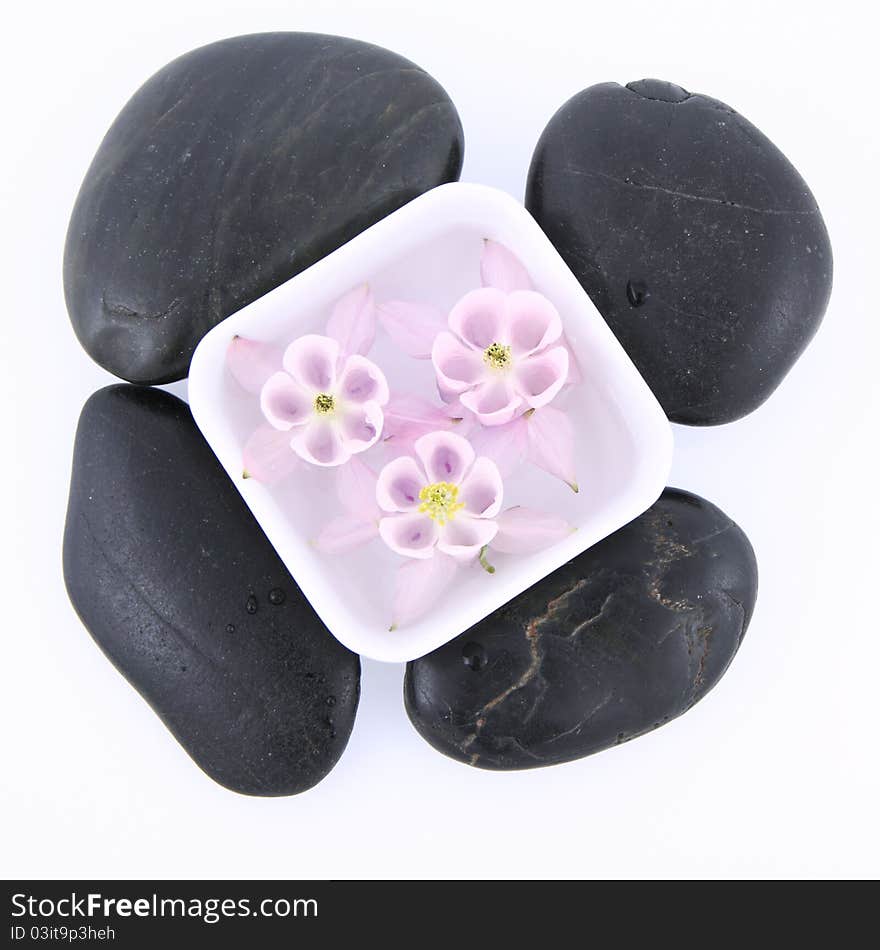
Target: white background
775,773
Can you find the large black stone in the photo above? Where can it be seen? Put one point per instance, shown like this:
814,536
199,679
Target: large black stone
694,235
232,169
617,642
178,585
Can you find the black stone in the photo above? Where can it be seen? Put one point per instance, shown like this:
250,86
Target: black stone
695,237
235,167
623,638
160,554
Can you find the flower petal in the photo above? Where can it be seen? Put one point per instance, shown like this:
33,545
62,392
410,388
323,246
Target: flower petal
532,322
362,381
285,404
399,484
251,363
412,534
458,366
446,457
267,456
463,537
407,417
345,534
505,445
551,444
353,321
525,531
418,585
311,360
356,489
482,490
412,326
479,317
538,378
360,426
494,402
501,268
320,443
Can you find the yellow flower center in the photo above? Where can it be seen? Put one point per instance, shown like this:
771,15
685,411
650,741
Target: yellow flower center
440,501
497,356
324,403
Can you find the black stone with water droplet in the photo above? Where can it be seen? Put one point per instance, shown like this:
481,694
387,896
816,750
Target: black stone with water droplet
159,552
636,292
474,656
623,638
235,167
696,238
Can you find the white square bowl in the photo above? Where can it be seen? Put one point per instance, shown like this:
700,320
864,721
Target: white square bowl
429,251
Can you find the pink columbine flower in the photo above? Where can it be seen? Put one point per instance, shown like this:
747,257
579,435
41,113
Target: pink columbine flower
502,355
330,403
444,500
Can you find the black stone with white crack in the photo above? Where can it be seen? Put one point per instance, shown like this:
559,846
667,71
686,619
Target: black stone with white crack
233,168
696,238
617,642
179,587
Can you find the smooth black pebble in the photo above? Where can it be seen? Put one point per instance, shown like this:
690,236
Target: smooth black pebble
159,551
696,238
235,167
617,642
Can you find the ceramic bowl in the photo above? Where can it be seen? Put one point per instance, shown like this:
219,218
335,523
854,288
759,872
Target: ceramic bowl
429,251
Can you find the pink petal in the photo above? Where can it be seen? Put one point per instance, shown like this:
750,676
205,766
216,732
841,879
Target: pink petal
501,268
448,395
345,534
540,377
320,443
251,362
284,403
412,534
362,381
360,426
413,327
353,322
418,586
446,457
494,402
463,537
478,318
311,360
408,417
525,531
268,457
399,484
458,367
482,490
356,489
551,444
505,445
532,322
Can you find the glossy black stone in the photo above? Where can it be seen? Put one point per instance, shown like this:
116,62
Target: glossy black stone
647,186
233,168
162,560
623,638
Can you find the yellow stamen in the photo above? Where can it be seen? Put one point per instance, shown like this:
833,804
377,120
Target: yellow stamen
440,501
497,356
324,403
